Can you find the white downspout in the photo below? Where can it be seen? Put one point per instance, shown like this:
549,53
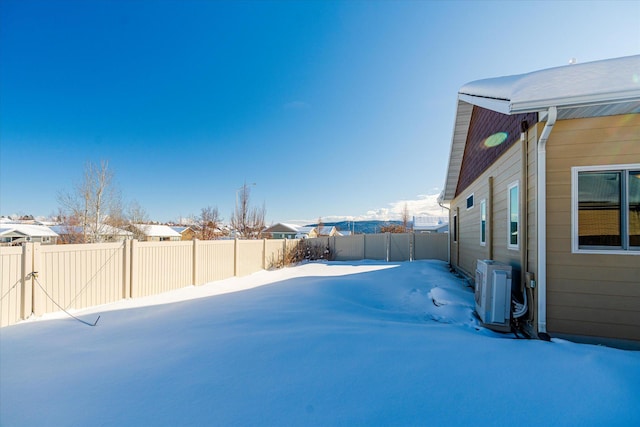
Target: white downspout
542,222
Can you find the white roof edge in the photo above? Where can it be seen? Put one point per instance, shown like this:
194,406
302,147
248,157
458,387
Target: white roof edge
500,105
577,101
608,81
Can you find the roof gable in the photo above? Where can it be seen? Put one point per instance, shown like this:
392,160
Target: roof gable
601,88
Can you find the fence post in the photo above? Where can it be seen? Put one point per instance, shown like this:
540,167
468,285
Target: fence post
412,247
264,254
26,287
236,258
284,252
195,262
134,268
37,297
388,242
126,270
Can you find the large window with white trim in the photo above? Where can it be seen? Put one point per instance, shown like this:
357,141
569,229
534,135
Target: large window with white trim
513,215
606,208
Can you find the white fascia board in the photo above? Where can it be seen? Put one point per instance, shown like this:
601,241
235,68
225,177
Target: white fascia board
575,101
499,105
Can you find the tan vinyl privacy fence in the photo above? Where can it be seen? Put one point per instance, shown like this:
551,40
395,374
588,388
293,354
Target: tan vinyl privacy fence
38,279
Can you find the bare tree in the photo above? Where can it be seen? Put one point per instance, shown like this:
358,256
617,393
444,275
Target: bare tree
136,214
247,221
209,223
94,202
405,217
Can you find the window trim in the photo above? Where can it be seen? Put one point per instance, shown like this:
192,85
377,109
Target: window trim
483,216
511,246
470,197
575,247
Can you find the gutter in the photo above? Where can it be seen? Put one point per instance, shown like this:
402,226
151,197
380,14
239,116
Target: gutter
542,223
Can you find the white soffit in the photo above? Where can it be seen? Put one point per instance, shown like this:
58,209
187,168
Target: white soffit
461,128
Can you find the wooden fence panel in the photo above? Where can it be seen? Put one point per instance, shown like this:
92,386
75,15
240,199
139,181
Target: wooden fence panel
431,246
273,254
375,246
215,260
12,285
77,276
399,247
161,267
348,248
250,256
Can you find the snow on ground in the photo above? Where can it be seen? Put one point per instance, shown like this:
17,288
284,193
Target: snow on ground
321,344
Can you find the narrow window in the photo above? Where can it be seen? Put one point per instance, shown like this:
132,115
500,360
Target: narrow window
514,216
455,227
634,210
483,222
470,202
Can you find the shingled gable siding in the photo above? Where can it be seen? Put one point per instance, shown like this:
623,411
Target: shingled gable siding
477,157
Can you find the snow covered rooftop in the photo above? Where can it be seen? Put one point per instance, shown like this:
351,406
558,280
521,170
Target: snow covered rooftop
28,230
157,230
593,84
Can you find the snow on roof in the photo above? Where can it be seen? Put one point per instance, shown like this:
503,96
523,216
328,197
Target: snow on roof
104,229
282,227
607,81
28,230
157,230
429,222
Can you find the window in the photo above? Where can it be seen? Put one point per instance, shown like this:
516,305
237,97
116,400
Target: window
455,227
483,222
606,208
513,215
470,202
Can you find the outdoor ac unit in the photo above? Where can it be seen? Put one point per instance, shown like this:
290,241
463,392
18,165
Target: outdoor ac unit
493,294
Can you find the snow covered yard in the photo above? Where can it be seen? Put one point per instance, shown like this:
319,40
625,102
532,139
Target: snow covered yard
319,344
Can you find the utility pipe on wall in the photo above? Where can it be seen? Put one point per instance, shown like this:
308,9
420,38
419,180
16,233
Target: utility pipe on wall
542,222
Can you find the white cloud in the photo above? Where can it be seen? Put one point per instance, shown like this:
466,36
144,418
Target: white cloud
422,205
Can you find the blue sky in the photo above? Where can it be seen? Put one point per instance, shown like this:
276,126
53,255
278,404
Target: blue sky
333,108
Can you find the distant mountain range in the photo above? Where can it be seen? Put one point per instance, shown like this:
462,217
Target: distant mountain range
361,227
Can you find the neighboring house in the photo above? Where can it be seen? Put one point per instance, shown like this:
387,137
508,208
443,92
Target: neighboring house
544,175
16,234
311,232
430,224
157,233
326,230
186,233
305,232
282,231
75,233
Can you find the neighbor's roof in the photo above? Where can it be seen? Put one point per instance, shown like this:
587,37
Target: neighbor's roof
593,89
28,230
282,227
157,230
430,222
600,83
103,230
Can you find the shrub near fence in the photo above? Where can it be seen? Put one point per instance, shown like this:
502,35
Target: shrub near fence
80,276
